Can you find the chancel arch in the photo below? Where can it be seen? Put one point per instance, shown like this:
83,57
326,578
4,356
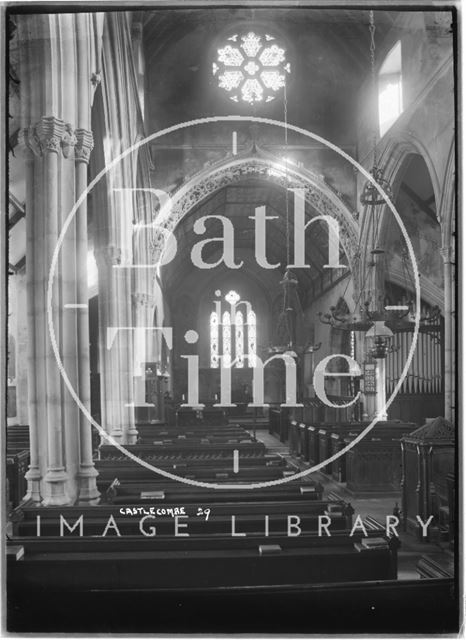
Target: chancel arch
319,195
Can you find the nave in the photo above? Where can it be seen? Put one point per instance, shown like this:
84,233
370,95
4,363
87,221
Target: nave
232,321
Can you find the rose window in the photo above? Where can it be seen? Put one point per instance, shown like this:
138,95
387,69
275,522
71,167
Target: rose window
252,68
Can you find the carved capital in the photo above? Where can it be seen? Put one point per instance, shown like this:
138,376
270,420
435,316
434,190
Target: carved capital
50,132
52,135
84,145
68,141
49,135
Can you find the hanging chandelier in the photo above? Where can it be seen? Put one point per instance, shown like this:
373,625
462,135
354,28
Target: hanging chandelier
285,333
288,338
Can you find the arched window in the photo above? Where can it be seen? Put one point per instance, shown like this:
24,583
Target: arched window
390,89
233,332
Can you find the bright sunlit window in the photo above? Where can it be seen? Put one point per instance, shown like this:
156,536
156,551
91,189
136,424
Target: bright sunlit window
390,89
251,67
233,333
92,274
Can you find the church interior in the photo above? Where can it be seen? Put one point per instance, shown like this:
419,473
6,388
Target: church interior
231,320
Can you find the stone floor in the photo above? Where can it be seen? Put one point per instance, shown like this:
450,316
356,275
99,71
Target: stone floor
379,507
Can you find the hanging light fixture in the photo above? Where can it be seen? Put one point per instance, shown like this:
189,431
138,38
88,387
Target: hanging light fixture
286,341
373,314
285,338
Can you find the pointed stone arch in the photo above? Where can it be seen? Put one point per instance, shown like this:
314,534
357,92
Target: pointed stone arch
318,194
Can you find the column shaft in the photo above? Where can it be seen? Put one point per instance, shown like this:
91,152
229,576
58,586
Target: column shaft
88,492
33,475
56,476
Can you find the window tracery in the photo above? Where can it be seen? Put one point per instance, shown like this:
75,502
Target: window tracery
233,334
252,69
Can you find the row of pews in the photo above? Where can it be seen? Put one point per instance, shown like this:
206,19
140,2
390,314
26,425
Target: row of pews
156,532
159,554
373,465
17,463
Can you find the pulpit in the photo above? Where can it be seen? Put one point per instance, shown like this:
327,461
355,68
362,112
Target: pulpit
428,459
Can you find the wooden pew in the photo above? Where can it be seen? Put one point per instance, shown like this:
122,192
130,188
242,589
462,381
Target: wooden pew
324,441
219,438
374,464
251,516
17,462
180,563
258,504
150,431
187,451
293,438
208,473
184,494
279,423
436,565
208,415
17,436
169,461
222,525
403,607
313,444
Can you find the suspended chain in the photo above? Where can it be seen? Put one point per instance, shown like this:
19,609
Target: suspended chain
374,83
285,119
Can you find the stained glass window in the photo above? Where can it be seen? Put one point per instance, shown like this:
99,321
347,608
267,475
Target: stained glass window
214,340
239,346
226,338
233,340
251,69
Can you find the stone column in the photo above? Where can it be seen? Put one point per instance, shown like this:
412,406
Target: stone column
115,358
449,337
87,473
21,349
35,379
61,456
49,132
106,258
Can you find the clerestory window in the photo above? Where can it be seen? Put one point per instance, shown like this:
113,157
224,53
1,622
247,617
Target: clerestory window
390,89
